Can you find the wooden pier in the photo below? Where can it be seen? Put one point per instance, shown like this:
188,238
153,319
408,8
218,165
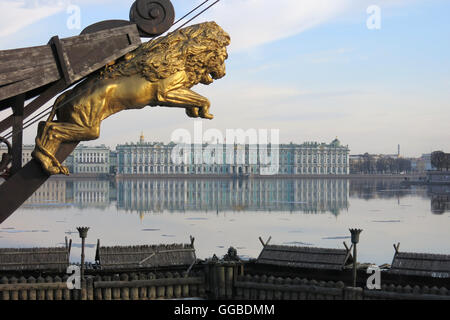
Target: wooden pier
173,272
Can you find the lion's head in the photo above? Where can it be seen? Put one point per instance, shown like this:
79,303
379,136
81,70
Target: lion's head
200,50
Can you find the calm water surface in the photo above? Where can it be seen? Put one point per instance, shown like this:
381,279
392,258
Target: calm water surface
223,213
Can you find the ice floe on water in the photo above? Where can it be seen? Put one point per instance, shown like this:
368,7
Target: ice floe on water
336,238
22,231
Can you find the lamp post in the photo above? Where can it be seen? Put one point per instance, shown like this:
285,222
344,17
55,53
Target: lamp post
83,235
355,239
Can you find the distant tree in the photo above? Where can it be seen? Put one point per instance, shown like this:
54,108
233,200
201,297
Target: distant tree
439,160
391,165
369,164
355,166
382,165
404,165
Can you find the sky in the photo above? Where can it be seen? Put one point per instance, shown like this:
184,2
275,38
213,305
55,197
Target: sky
311,68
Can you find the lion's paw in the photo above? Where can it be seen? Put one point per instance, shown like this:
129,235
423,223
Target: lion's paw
192,112
206,115
64,170
53,170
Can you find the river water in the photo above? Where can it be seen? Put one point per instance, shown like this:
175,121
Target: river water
224,213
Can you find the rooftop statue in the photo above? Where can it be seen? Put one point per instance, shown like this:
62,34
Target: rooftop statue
160,72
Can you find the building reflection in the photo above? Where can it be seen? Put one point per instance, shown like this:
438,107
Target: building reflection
158,195
91,193
82,193
306,195
370,189
51,194
440,198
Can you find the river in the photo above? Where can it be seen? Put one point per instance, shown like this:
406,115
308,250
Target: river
224,213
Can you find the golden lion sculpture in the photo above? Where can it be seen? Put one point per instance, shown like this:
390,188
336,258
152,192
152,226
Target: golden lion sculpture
158,73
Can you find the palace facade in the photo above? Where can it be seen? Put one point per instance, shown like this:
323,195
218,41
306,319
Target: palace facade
155,158
309,158
90,160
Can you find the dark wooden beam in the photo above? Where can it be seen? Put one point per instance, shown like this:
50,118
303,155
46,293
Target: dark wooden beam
29,70
34,105
17,189
49,70
17,137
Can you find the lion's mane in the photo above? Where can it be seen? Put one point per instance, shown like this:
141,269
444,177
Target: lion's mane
188,49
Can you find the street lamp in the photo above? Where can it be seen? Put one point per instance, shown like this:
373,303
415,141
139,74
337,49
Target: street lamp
83,235
355,239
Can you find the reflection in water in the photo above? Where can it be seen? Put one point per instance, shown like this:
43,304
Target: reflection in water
158,195
286,195
440,199
52,193
308,195
226,212
439,195
88,193
81,193
382,189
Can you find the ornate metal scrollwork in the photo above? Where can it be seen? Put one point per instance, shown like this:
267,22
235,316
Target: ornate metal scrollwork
153,17
6,159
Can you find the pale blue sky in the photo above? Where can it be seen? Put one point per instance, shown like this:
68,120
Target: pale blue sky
310,68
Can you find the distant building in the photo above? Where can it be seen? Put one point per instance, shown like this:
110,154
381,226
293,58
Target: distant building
26,152
91,160
112,162
145,158
427,162
422,164
83,159
314,158
308,158
155,158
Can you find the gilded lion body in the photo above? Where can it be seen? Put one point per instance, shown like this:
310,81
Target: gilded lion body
158,73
